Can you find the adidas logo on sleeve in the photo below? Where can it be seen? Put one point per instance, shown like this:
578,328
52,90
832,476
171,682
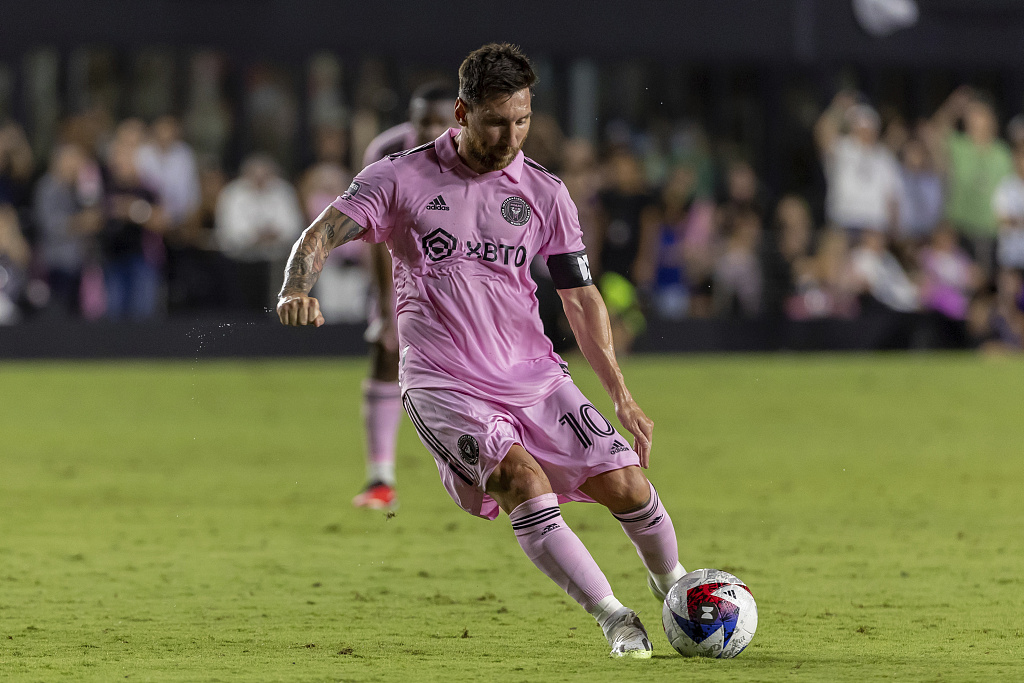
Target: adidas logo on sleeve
437,204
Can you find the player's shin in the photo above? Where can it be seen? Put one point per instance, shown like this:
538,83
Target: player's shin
651,531
553,547
382,412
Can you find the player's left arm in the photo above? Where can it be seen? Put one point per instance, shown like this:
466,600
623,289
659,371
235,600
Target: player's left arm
588,318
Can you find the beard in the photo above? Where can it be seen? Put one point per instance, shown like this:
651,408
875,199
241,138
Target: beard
490,158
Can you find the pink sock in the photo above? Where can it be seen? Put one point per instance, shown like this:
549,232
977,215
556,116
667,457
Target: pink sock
558,552
650,529
382,412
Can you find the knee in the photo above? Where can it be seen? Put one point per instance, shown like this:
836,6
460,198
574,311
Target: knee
516,480
622,490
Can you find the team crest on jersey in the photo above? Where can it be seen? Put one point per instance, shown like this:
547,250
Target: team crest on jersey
439,244
469,449
352,190
516,211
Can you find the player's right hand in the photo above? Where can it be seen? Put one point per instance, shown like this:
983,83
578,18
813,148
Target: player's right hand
299,310
640,426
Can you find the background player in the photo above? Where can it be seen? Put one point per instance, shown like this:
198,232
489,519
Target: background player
431,112
488,396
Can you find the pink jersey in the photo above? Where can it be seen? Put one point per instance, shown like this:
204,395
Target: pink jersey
394,139
461,243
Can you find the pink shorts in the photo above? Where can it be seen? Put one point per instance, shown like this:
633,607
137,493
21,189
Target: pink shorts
469,436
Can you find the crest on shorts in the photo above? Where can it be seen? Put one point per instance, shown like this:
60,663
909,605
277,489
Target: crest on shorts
516,211
469,449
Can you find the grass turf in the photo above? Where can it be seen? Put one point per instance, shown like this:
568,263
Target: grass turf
191,522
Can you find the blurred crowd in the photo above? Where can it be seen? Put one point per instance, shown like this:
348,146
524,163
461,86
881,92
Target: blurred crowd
919,217
124,221
127,220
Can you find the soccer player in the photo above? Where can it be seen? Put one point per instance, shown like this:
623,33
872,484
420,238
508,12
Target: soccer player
431,112
488,396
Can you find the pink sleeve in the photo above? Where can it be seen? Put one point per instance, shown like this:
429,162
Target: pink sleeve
563,234
369,200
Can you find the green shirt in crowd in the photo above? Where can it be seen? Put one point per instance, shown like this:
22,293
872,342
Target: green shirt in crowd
975,172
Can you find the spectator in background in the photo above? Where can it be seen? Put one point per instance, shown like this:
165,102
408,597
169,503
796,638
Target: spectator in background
743,191
785,252
319,184
1015,132
16,165
921,194
861,175
582,177
948,278
258,219
167,165
131,239
545,142
1008,204
67,225
129,134
825,287
997,321
14,260
737,279
196,271
686,228
628,219
879,278
625,244
975,162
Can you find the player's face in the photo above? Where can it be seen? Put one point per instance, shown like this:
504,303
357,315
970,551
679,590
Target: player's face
431,119
494,130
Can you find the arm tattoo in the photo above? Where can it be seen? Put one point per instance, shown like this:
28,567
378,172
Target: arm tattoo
331,229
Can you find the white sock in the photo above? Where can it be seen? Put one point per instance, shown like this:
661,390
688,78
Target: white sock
381,471
604,609
665,581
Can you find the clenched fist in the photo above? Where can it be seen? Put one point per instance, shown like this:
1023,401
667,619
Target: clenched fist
299,310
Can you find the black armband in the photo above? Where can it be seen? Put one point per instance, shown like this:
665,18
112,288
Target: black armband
569,271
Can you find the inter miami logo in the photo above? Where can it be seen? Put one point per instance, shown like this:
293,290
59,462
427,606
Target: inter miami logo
469,449
439,244
515,210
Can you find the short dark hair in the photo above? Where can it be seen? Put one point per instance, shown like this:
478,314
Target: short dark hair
434,91
493,70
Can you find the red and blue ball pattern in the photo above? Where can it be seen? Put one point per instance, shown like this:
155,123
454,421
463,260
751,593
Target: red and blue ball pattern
709,613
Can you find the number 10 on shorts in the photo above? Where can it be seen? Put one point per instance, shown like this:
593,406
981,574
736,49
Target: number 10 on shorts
590,419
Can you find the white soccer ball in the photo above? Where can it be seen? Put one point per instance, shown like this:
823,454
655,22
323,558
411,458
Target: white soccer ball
709,613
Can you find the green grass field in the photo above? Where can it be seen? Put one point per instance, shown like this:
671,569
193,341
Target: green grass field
191,522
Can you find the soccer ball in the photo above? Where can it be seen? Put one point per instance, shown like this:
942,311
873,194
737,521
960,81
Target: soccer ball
709,613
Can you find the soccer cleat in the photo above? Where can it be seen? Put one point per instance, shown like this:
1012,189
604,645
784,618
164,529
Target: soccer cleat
627,635
376,496
655,591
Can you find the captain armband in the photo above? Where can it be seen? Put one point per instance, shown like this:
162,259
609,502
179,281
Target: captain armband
569,271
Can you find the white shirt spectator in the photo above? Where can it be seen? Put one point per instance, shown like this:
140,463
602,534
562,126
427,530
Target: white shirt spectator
885,278
171,173
258,223
1008,204
862,183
